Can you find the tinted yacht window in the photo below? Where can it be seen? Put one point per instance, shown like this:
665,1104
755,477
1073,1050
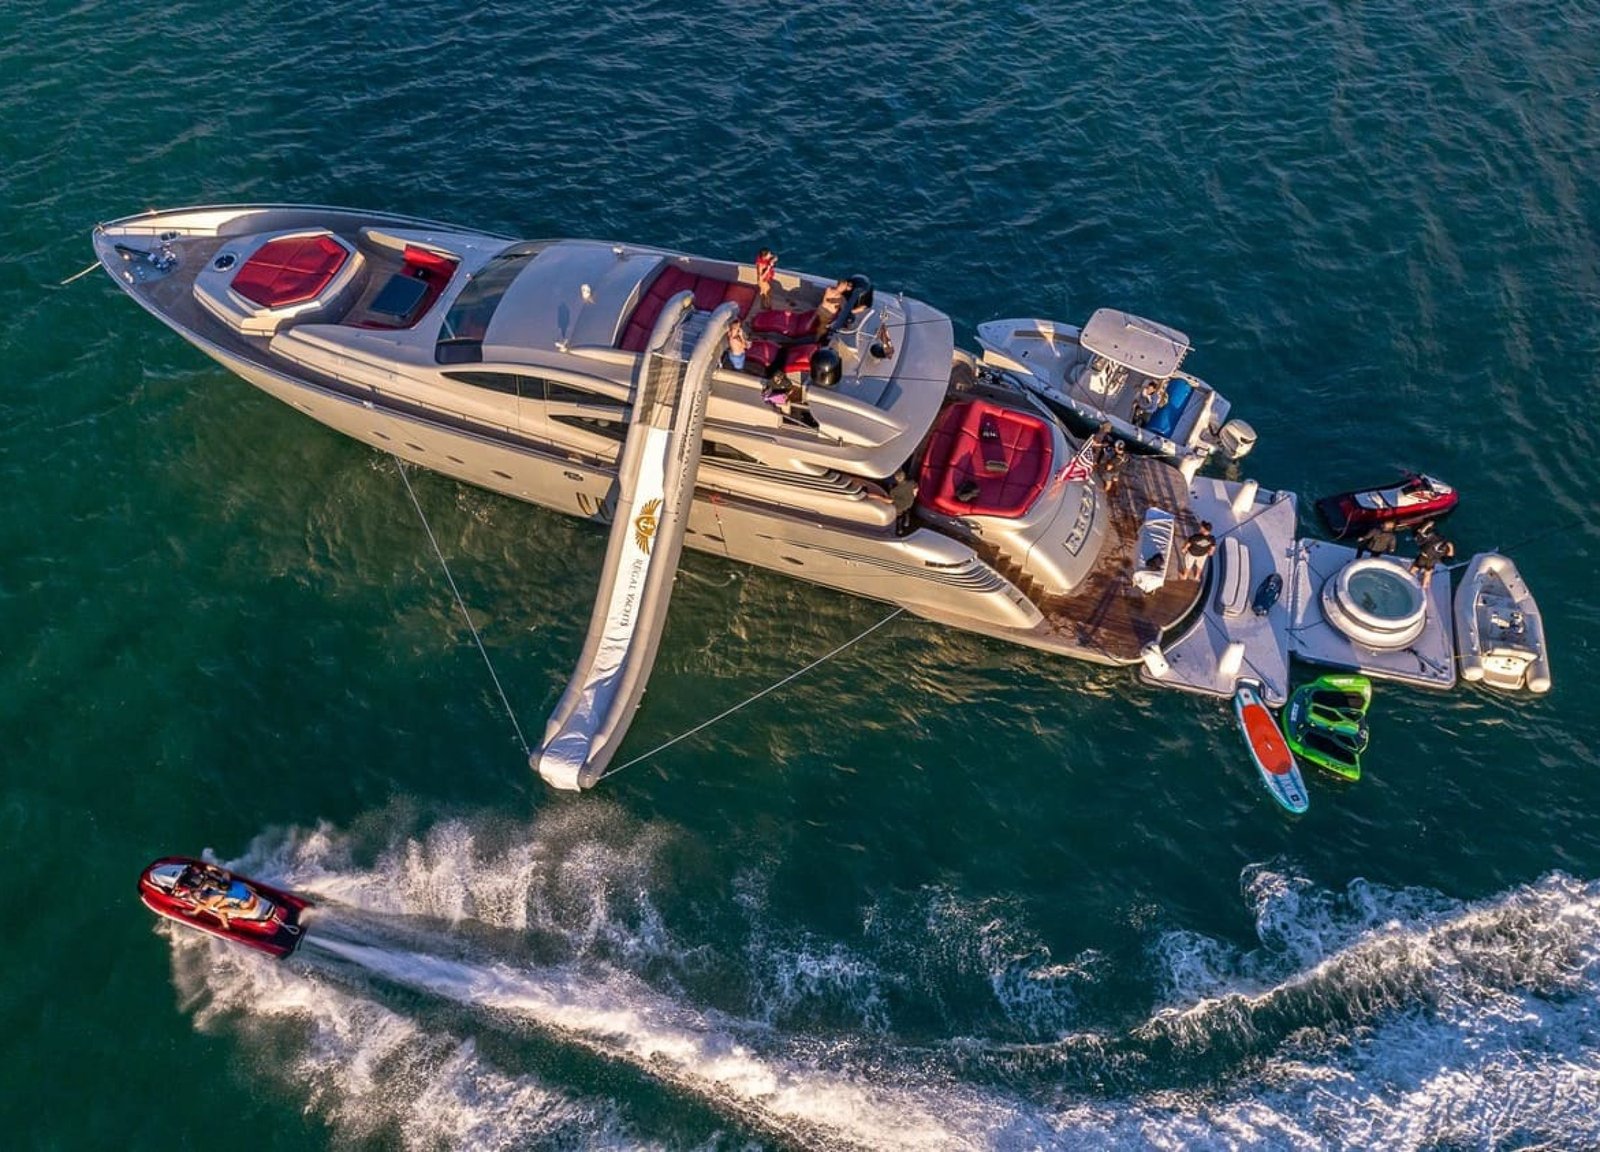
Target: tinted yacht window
460,339
498,381
567,394
611,429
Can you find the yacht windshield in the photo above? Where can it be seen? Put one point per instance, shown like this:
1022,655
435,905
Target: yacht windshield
461,334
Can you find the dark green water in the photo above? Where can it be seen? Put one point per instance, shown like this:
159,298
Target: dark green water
938,893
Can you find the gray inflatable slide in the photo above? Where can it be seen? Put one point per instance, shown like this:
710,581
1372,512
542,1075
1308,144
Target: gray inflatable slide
655,487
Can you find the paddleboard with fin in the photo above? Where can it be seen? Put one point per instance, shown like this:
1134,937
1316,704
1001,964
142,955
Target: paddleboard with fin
1269,750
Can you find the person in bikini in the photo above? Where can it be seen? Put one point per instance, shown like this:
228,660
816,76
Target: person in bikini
766,270
225,897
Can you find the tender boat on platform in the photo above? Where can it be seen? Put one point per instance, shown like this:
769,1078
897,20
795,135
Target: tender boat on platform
1122,370
213,900
1499,632
1413,500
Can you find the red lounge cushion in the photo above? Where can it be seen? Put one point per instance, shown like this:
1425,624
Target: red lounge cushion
434,264
743,295
765,353
709,293
671,281
958,453
798,358
290,270
636,334
783,323
762,352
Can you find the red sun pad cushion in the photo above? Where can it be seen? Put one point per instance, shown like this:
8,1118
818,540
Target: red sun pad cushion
789,324
959,451
767,355
708,291
290,270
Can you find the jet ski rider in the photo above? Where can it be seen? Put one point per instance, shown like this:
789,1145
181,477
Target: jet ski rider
214,891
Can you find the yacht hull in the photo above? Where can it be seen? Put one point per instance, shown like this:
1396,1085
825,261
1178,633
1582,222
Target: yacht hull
949,575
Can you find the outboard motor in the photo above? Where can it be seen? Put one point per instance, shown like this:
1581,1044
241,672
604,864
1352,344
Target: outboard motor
1236,438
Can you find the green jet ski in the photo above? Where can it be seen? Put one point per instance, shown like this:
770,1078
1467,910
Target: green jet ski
1326,722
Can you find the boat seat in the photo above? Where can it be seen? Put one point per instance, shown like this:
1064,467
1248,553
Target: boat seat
764,355
1100,377
955,462
797,357
1233,577
408,294
257,285
1153,553
787,324
709,292
1164,422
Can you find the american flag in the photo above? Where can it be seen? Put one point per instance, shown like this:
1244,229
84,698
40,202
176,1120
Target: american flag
1081,466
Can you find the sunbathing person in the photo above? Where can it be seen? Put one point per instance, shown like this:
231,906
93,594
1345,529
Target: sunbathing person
833,298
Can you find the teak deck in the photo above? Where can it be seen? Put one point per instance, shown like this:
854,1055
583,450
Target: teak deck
1107,615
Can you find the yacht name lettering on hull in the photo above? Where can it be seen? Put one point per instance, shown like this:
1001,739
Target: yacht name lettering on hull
603,510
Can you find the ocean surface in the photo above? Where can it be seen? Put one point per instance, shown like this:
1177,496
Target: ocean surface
937,893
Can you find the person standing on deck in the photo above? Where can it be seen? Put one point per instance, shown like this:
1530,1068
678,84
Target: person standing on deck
1434,549
766,269
1111,463
903,495
1197,548
1378,540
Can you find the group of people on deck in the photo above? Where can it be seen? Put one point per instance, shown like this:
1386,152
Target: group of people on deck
1382,539
785,388
1107,453
787,379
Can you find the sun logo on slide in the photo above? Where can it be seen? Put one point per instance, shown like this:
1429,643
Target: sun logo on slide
644,525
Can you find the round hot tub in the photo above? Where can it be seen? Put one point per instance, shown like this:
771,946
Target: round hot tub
1375,603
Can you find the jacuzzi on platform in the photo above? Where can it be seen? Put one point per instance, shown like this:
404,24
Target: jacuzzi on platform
1370,615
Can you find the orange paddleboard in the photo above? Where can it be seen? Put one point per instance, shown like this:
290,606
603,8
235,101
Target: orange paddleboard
1269,750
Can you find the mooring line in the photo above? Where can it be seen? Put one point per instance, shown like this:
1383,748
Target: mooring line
770,688
79,275
462,604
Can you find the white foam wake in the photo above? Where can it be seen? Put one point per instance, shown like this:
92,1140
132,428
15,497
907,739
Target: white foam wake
582,883
616,1017
1364,1018
376,1074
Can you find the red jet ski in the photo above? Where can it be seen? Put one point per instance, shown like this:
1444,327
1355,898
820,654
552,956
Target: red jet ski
1414,499
214,900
